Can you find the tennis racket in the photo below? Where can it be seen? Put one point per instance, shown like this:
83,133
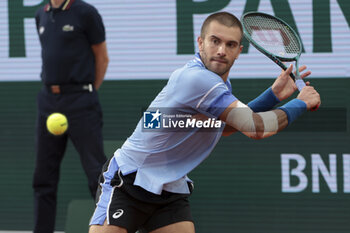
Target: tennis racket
275,39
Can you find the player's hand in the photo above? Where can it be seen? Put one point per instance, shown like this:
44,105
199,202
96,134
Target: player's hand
284,86
310,96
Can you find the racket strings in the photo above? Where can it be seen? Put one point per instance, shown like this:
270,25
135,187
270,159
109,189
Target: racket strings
271,34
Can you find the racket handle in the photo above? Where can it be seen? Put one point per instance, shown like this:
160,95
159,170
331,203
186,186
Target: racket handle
298,81
300,84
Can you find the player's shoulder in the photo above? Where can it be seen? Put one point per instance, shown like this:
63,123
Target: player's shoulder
199,74
192,79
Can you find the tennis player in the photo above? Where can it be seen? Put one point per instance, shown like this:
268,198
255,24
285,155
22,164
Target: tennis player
145,186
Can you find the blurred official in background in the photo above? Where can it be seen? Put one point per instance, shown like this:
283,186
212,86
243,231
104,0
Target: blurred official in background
74,63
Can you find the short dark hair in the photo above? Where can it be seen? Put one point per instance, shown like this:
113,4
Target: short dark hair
223,18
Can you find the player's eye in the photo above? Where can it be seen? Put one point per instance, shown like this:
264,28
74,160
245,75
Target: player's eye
215,41
232,45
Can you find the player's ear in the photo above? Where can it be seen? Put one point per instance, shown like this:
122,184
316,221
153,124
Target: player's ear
200,43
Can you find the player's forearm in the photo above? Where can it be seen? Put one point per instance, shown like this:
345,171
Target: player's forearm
269,123
264,102
263,124
258,125
228,130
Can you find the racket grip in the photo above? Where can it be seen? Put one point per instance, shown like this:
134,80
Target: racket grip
300,84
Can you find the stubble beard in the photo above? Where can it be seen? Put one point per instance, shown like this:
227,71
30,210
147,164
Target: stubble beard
208,63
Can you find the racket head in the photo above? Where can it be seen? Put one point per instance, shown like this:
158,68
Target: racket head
271,36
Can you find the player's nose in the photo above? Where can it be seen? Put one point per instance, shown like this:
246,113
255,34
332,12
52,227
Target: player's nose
222,50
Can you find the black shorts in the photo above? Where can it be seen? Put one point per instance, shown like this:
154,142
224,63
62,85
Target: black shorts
134,208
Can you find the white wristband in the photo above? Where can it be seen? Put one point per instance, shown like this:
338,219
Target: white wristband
270,123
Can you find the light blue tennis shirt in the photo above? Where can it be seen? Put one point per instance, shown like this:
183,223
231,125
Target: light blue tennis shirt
163,158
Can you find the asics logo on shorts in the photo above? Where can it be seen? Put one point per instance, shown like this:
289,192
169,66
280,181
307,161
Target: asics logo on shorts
118,213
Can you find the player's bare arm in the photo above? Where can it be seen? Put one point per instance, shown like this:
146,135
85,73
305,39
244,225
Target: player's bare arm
228,130
101,59
254,125
265,124
282,88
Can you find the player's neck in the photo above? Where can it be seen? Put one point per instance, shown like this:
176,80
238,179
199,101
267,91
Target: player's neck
224,77
56,3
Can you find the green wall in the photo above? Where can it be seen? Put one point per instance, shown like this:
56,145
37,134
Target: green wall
237,189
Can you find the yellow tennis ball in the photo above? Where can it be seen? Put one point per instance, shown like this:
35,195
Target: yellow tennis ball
57,123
